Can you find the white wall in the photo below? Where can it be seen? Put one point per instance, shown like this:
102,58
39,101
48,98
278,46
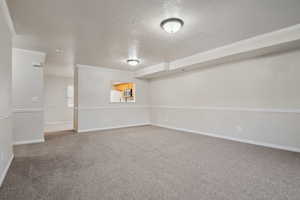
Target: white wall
94,108
255,100
115,96
6,152
58,116
28,101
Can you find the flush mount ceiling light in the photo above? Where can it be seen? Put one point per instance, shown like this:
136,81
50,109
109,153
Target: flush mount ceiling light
133,62
172,25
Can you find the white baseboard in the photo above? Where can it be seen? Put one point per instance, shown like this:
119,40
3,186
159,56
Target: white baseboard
274,146
29,142
58,122
57,126
3,175
57,131
269,145
111,127
238,109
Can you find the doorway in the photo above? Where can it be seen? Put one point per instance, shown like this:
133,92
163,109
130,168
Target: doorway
59,103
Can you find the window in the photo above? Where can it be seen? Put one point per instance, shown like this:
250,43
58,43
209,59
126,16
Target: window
70,96
122,92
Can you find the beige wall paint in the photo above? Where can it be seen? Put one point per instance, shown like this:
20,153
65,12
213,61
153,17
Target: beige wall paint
94,108
27,96
6,152
251,100
58,116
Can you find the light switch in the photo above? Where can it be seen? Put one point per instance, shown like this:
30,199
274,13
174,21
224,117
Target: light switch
35,99
239,128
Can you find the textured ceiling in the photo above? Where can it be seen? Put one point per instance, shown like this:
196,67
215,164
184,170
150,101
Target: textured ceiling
106,32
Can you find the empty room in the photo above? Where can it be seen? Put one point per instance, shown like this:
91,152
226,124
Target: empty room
149,100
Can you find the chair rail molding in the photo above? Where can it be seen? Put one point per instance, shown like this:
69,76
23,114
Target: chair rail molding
238,109
4,117
27,110
117,106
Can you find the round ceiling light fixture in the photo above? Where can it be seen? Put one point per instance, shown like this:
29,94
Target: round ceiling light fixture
133,62
172,25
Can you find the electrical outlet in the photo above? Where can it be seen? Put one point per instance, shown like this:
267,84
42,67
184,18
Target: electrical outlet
166,118
35,99
239,128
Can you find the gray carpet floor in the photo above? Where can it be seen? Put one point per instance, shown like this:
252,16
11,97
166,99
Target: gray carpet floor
149,163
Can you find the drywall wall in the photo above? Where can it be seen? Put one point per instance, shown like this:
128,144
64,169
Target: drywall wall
6,153
58,115
75,119
255,100
27,95
94,110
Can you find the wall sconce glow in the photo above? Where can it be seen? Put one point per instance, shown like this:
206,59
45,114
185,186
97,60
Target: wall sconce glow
172,25
133,62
